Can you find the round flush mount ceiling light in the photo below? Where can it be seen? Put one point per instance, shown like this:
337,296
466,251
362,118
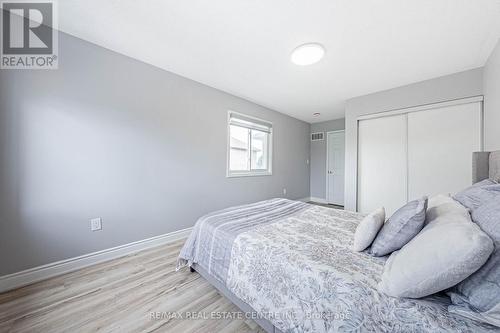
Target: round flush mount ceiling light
307,54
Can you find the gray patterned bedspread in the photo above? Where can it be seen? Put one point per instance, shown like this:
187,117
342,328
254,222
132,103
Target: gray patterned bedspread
292,262
212,238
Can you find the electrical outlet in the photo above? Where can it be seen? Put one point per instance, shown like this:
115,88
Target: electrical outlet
96,224
284,191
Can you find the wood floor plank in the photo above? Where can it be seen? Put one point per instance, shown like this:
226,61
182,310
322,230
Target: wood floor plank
122,295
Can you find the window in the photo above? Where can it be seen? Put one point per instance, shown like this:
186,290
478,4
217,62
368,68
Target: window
249,146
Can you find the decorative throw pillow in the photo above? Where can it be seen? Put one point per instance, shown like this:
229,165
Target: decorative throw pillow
400,228
487,216
478,194
478,296
368,228
443,204
448,250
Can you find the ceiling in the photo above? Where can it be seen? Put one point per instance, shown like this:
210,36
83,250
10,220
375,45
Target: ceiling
243,46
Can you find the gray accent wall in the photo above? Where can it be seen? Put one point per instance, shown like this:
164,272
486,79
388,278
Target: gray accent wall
108,136
491,82
318,156
445,88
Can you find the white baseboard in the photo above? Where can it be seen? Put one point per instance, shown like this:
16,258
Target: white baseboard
32,275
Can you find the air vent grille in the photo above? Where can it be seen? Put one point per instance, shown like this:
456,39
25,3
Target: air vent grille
317,136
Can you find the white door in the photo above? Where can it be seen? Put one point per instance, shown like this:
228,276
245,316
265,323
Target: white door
382,163
440,146
335,167
406,156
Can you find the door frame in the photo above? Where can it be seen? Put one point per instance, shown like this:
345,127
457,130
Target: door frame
327,197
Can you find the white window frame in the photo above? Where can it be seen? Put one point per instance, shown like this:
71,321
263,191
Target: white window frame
250,173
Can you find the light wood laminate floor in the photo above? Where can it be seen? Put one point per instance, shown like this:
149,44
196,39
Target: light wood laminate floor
122,295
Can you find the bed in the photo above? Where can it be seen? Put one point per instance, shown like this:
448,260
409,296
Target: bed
289,266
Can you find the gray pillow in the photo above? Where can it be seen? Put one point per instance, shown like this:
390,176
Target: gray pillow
400,228
487,217
478,296
448,250
478,194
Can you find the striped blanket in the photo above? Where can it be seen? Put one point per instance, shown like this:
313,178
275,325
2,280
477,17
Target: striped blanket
211,240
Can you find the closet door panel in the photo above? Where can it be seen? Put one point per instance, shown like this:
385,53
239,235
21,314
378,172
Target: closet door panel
382,163
440,146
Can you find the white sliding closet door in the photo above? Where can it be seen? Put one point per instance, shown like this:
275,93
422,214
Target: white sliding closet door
440,146
382,163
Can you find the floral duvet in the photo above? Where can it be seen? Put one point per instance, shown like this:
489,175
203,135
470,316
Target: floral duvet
292,263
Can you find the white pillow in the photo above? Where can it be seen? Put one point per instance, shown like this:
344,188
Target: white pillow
368,228
443,204
449,249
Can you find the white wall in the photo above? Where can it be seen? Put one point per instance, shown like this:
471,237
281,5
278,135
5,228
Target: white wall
318,157
491,83
455,86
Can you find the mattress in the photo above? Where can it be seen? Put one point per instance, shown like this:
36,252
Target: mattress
292,263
